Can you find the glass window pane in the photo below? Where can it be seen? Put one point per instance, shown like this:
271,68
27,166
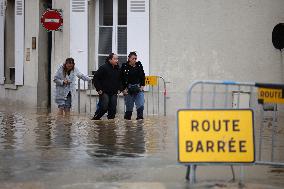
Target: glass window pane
102,60
106,12
122,12
121,60
122,40
105,40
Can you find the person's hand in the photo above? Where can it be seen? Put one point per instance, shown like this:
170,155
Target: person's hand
142,88
65,82
100,92
125,92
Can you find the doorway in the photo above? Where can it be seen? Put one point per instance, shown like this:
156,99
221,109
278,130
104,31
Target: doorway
44,62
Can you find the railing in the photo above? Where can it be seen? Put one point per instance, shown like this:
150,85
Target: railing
155,97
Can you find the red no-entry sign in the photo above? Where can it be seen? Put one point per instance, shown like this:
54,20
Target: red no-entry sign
51,20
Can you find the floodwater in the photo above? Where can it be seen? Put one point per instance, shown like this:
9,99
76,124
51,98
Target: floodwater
46,151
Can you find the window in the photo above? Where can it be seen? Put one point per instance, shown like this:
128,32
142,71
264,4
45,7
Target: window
112,29
122,26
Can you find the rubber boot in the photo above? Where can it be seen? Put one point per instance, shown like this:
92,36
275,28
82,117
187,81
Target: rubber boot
99,113
140,113
128,115
96,117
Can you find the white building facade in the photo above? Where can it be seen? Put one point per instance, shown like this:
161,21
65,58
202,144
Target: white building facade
182,41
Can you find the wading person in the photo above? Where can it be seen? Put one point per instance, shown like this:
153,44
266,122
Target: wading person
65,80
133,82
107,84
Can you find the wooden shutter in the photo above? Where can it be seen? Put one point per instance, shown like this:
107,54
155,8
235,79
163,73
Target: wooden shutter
79,34
19,41
138,30
2,24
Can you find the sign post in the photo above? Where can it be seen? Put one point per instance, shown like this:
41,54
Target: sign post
215,136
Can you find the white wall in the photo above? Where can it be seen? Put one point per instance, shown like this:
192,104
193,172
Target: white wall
27,94
213,39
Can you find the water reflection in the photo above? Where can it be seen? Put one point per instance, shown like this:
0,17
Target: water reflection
62,132
43,131
8,129
7,140
110,139
106,140
133,142
53,141
53,132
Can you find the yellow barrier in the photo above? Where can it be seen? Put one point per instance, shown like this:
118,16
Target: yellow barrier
151,80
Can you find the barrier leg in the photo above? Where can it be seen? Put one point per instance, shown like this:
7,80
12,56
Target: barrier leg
90,96
85,100
226,97
79,90
192,174
233,173
158,98
117,102
187,172
241,182
152,88
147,103
273,132
260,133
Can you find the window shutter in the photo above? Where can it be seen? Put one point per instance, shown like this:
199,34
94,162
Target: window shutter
19,42
2,24
79,34
138,30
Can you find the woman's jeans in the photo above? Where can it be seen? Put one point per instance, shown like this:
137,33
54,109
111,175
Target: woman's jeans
137,99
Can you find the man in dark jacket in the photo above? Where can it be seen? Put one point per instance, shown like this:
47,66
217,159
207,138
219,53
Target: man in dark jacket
133,82
107,84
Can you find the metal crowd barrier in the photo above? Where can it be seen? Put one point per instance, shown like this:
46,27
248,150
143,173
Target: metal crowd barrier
155,97
87,87
155,91
243,95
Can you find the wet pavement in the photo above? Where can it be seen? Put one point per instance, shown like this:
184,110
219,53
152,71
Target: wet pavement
46,151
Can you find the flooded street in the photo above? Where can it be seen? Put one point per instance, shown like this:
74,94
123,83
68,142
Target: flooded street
47,151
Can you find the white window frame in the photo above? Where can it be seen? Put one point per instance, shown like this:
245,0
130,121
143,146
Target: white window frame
114,31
